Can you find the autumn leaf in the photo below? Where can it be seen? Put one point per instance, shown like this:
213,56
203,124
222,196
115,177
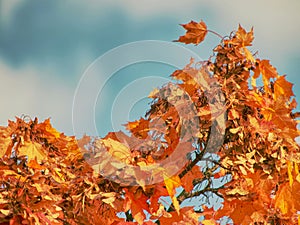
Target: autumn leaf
34,151
5,142
117,149
187,180
195,33
186,216
240,211
35,165
50,178
208,222
283,88
136,202
288,198
266,69
248,55
159,191
243,38
139,128
48,129
171,184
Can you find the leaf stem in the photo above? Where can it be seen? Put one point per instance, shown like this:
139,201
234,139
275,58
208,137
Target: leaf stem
215,33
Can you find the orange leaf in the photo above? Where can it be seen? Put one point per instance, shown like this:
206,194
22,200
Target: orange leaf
241,211
195,33
139,128
35,165
283,88
5,142
243,38
137,202
266,69
186,216
48,129
187,180
158,192
288,198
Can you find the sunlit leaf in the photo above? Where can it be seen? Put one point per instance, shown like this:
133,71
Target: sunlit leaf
195,33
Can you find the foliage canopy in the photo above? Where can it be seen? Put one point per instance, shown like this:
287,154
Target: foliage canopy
214,133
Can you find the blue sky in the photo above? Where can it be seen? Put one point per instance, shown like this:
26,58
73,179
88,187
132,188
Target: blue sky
46,47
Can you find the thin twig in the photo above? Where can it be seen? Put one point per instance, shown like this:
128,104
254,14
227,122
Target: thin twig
215,33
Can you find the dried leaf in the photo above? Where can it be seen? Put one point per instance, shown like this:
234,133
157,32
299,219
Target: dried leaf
195,33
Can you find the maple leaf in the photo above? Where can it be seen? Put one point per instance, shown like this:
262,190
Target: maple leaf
48,129
136,202
48,177
159,191
117,149
266,69
283,88
139,128
195,33
243,38
186,215
34,151
287,198
240,211
187,180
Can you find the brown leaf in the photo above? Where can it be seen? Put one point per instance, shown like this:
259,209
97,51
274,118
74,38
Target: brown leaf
195,33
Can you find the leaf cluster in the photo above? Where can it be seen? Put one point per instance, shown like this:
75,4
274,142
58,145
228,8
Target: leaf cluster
224,129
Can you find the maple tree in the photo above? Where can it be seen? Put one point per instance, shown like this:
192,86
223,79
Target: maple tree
225,130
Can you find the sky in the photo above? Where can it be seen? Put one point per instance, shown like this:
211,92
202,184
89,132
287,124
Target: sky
89,65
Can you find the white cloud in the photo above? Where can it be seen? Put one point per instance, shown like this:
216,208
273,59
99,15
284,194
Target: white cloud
24,92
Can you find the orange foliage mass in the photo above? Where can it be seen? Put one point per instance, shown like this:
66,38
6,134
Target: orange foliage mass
215,122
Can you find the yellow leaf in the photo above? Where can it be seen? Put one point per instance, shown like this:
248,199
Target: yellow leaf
248,55
235,130
5,212
12,173
208,222
290,168
117,149
33,151
171,184
58,176
153,93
